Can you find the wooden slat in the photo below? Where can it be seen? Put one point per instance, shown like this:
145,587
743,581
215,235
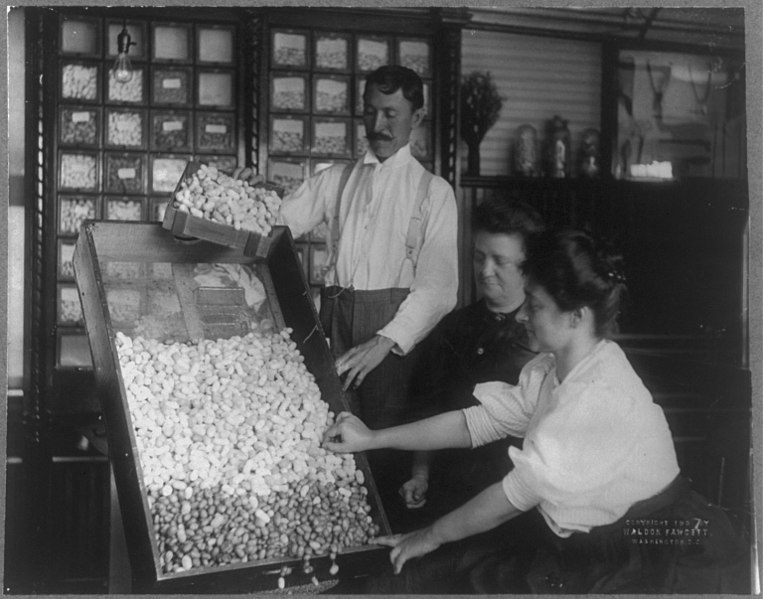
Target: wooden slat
182,273
138,242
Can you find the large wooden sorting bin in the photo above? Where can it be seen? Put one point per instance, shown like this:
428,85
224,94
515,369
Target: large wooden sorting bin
140,251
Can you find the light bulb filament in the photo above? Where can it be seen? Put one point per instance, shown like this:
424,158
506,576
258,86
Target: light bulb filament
122,64
122,68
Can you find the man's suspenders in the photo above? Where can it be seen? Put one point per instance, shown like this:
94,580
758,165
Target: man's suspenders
415,237
334,224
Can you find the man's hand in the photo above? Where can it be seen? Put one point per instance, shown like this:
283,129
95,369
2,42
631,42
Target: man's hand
348,434
414,492
358,361
408,546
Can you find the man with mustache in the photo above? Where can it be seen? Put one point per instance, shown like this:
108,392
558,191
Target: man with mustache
392,271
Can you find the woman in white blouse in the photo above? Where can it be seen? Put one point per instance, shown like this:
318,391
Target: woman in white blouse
597,461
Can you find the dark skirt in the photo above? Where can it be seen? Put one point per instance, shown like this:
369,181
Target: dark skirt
676,542
684,545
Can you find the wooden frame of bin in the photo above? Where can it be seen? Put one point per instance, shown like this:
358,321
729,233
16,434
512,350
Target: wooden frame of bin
284,279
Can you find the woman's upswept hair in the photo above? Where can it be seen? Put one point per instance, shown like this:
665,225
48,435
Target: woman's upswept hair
577,270
506,216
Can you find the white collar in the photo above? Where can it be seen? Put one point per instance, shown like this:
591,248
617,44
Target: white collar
399,158
598,348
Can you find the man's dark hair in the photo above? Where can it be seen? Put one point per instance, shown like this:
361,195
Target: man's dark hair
495,215
391,78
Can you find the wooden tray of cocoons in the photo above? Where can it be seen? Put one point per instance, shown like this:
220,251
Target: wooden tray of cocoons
187,226
176,307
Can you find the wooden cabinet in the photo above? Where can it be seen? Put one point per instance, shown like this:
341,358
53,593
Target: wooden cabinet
120,146
98,148
312,80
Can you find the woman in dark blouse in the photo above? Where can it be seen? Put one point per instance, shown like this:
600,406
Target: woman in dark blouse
480,342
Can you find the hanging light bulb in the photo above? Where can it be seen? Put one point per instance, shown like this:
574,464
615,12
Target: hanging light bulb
122,64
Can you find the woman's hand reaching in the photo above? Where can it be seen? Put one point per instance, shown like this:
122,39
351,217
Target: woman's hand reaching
348,435
408,546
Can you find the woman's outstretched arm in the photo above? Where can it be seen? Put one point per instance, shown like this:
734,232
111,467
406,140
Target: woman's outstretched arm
349,434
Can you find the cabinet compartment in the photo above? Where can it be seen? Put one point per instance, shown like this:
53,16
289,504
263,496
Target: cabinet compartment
416,55
332,52
331,137
288,92
289,49
69,308
372,52
126,128
171,131
215,89
80,36
65,255
124,173
128,92
288,135
158,206
215,131
171,85
137,31
78,171
166,172
171,42
73,211
331,94
80,126
73,350
80,81
126,208
289,174
215,44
